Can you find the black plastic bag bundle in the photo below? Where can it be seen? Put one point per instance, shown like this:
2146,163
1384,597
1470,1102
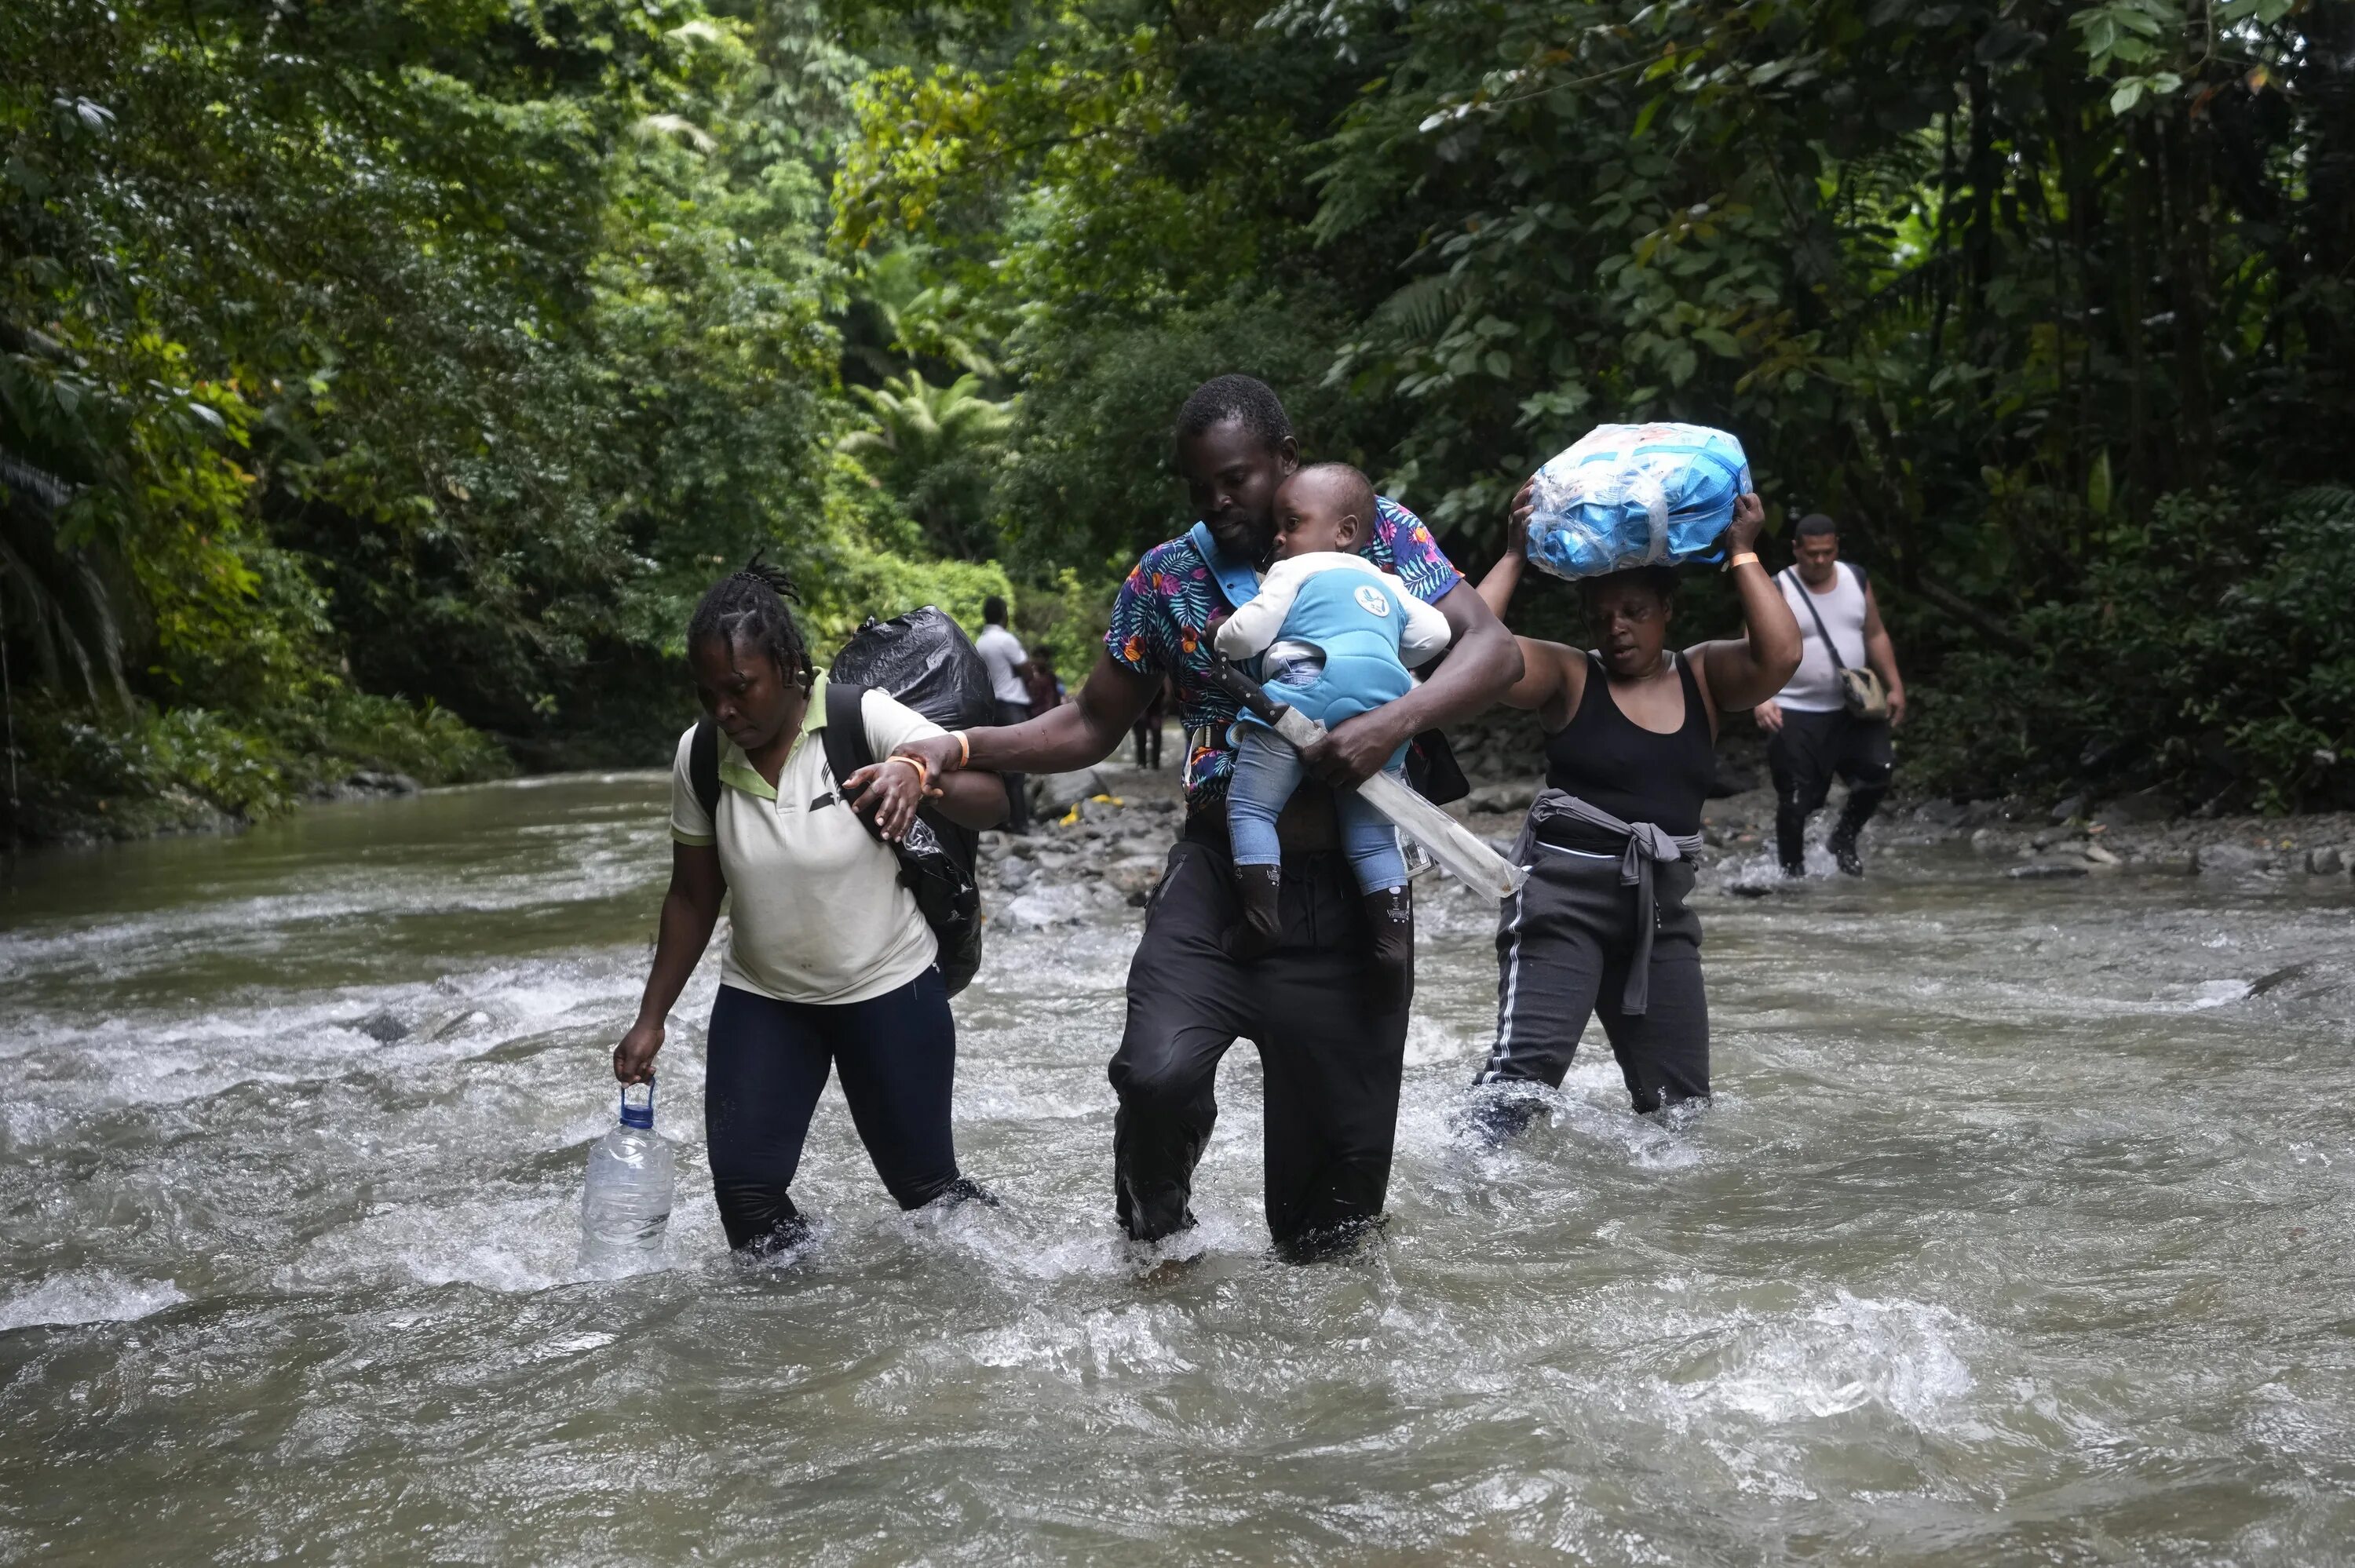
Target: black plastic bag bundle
924,658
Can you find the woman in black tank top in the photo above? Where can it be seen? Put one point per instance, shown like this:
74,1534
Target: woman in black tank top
1634,773
1601,926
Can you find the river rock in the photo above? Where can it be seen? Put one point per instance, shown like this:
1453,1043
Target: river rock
370,782
1059,792
1014,874
2231,860
1058,904
2095,854
2045,871
382,1026
2325,862
2141,806
2070,809
1512,796
1989,844
1941,813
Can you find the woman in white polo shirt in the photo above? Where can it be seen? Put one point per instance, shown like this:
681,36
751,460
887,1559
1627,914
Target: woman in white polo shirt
830,964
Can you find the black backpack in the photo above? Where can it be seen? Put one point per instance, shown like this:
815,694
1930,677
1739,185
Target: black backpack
927,653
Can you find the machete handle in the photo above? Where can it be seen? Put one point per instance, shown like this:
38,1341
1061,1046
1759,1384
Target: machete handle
1245,690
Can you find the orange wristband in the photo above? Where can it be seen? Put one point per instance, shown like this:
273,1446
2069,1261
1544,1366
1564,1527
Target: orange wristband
965,750
923,774
1747,558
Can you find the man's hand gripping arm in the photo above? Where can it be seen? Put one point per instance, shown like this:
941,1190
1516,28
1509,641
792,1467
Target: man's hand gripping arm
1483,662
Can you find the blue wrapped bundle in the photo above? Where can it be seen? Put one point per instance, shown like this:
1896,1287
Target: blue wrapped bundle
1634,496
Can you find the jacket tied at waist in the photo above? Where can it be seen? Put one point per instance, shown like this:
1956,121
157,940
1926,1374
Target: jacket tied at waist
1647,843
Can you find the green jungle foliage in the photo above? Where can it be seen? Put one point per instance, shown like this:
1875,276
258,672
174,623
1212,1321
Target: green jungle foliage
381,380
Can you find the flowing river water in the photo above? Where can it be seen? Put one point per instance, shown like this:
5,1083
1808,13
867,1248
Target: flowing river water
2020,1232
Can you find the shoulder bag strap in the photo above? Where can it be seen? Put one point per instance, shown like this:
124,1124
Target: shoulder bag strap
1821,630
703,768
846,750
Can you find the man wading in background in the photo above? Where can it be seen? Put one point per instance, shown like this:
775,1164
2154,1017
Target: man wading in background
1331,1062
1009,676
1815,735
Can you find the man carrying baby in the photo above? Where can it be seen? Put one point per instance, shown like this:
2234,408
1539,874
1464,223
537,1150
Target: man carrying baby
1331,1059
1335,636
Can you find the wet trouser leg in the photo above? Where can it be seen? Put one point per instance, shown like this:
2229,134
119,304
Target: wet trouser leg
1865,758
1563,945
1018,785
1330,1065
1800,758
765,1067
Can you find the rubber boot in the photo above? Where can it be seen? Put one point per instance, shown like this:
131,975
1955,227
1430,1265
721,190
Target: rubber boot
1390,913
1857,811
1791,839
1260,890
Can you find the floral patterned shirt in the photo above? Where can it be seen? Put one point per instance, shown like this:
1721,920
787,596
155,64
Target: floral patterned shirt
1171,603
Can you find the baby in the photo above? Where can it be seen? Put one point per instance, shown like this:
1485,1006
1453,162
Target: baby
1338,634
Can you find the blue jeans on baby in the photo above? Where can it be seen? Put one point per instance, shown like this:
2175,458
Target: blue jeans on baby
1267,772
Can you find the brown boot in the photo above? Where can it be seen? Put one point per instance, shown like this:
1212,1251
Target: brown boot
1259,889
1390,913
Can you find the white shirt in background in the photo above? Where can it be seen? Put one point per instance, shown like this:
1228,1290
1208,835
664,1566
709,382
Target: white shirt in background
1001,650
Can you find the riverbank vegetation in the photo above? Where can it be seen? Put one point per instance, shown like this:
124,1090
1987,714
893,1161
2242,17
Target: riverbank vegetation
380,381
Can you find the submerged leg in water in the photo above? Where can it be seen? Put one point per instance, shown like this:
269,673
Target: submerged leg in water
766,1065
1563,947
1332,1065
1865,761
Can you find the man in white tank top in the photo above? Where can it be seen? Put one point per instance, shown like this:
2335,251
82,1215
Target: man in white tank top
1815,737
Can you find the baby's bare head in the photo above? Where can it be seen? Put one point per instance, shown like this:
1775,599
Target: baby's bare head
1326,506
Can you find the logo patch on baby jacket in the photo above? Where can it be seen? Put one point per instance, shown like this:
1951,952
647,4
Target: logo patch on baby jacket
1373,601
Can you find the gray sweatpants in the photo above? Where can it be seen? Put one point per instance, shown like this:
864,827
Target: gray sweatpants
1563,944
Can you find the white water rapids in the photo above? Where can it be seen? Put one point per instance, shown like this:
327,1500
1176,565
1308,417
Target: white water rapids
2020,1232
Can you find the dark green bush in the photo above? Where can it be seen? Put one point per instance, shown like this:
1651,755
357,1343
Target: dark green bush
2210,651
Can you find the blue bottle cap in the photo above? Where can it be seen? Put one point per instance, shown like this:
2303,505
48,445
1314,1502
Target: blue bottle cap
638,1104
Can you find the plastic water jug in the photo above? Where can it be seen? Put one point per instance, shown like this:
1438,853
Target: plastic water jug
1633,495
625,1205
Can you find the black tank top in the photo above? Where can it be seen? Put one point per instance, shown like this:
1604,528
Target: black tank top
1608,759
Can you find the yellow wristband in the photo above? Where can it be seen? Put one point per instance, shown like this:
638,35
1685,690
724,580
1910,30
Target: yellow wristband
923,774
1747,558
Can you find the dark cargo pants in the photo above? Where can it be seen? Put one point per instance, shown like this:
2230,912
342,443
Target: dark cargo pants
1330,1066
1563,946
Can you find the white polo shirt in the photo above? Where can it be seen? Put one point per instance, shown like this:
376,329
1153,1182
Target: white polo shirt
818,914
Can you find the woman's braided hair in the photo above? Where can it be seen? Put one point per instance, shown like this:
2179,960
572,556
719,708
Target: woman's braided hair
749,607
